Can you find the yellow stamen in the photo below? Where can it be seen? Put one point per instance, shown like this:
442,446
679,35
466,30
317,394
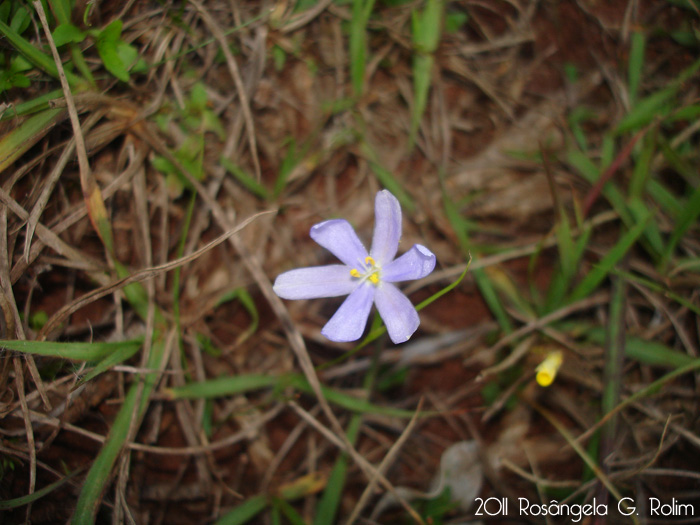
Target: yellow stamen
374,278
355,273
547,369
370,261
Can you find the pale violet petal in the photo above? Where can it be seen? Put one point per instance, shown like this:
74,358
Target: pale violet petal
387,228
398,314
315,281
416,263
338,237
348,322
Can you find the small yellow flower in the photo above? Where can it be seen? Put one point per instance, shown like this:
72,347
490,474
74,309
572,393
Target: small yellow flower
547,369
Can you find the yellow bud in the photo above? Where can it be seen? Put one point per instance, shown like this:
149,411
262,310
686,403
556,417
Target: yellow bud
374,278
355,273
547,369
370,261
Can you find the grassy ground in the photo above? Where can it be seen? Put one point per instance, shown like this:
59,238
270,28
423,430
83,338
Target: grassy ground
163,162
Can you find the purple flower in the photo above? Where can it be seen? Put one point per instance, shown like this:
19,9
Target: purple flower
364,278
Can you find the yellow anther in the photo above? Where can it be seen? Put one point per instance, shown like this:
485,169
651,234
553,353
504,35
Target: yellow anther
374,278
547,369
370,261
355,273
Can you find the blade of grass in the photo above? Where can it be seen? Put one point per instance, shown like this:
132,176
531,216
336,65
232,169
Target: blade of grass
244,512
650,390
386,178
72,351
328,505
650,353
591,281
134,406
591,173
664,198
241,295
614,361
493,301
361,11
30,498
226,386
658,104
426,36
247,181
562,280
285,508
62,11
685,220
176,273
642,163
587,459
16,143
113,359
36,57
40,103
635,65
292,491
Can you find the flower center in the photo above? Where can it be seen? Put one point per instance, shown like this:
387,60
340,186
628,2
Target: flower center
370,271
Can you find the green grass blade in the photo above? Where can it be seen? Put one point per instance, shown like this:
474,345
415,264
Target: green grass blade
72,351
246,180
591,173
361,11
113,359
241,295
650,353
614,358
244,512
290,161
16,143
562,280
328,505
685,220
386,178
647,391
426,37
422,76
224,386
653,285
656,105
640,174
34,105
607,263
30,498
293,517
665,198
565,246
61,10
635,65
493,301
135,403
36,57
653,241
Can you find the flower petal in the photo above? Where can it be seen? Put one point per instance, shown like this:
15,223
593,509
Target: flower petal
398,314
387,227
416,263
348,322
338,237
315,281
